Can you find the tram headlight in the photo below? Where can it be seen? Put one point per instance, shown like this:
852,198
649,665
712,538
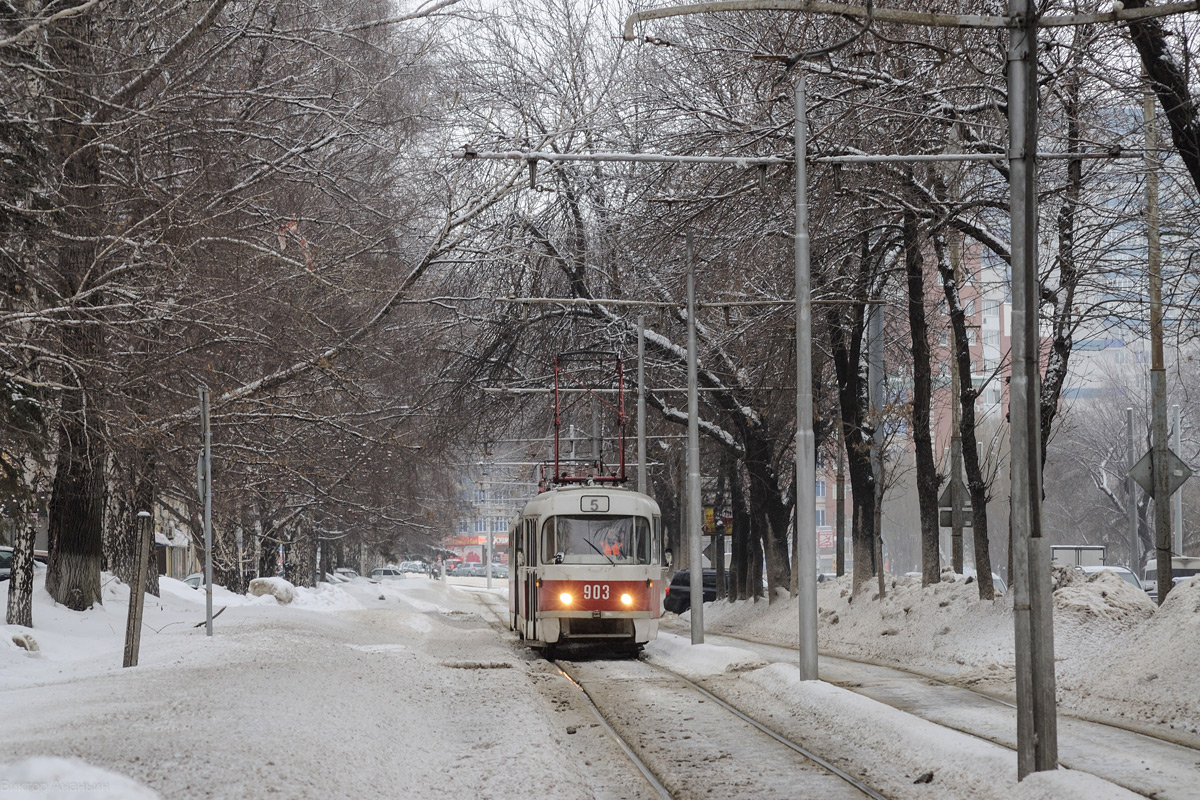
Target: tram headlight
565,598
626,599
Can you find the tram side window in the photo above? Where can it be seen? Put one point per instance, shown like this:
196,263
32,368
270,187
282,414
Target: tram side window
594,539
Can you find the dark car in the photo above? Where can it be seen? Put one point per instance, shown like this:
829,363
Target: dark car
40,559
679,593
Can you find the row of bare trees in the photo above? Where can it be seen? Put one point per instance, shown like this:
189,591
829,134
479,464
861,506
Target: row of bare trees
555,80
261,200
229,195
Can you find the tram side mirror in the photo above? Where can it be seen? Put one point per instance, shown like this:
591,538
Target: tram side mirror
520,557
668,557
558,558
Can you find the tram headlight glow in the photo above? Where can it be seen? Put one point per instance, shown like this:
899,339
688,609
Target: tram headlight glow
565,599
626,599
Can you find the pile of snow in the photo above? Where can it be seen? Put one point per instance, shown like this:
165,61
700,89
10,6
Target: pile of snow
680,655
278,588
1147,675
67,779
1104,595
1117,658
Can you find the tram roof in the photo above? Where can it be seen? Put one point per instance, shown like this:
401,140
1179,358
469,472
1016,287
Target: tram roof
567,499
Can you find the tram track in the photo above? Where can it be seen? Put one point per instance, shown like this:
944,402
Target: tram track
654,751
689,743
1149,765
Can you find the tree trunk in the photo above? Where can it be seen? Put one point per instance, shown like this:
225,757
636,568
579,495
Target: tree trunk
123,545
853,402
773,518
76,514
927,477
20,582
1063,321
1170,81
739,573
77,501
976,484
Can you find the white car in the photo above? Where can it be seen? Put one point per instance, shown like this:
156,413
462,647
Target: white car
195,580
386,574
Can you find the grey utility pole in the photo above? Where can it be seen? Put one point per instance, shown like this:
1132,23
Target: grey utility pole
1161,473
695,555
206,498
1131,514
1177,498
806,458
641,405
1037,724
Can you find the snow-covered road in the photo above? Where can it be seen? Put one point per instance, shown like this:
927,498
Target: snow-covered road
415,695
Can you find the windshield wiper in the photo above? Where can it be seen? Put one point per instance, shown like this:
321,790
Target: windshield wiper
601,552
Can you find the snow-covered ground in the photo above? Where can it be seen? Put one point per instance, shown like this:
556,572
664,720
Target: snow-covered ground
408,688
1117,658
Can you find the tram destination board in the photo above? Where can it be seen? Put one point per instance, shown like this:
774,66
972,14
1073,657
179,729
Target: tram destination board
594,504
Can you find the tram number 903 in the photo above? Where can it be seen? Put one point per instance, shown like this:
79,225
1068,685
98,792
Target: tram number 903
595,591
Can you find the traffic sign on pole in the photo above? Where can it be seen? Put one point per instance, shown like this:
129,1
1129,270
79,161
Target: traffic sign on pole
1177,473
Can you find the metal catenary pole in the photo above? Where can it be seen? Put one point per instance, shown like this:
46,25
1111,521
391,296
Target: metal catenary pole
695,559
641,405
1131,514
1177,498
1158,371
206,436
806,463
1037,735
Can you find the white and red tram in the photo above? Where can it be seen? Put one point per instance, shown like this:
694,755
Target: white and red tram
587,565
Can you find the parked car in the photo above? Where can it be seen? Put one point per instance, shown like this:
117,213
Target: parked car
1121,572
6,556
415,567
679,594
386,574
195,580
998,585
346,573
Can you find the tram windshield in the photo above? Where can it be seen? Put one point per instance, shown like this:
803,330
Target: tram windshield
596,539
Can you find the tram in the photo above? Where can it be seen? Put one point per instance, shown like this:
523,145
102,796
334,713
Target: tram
586,558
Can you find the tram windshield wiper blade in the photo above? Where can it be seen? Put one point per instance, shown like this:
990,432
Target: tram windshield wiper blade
601,552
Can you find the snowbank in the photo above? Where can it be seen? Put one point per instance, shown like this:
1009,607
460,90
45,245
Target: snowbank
899,750
67,779
1147,674
1117,658
278,588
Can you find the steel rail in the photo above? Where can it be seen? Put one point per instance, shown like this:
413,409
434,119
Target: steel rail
941,681
778,737
642,767
783,740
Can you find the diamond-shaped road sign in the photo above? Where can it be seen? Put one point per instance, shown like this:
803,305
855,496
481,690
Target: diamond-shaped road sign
1177,472
946,504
